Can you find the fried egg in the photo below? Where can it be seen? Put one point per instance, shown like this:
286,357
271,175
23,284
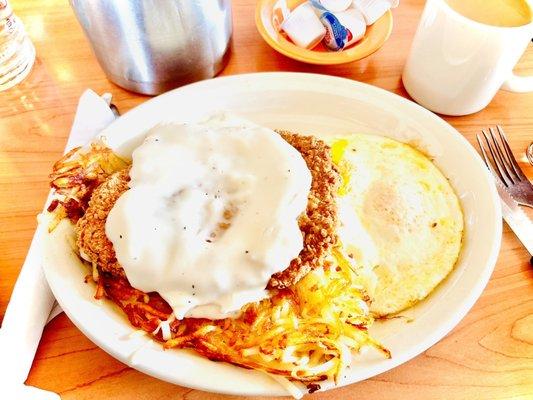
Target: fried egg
400,219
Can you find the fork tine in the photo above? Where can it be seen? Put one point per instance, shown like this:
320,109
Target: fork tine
500,162
510,157
487,158
495,163
503,162
501,166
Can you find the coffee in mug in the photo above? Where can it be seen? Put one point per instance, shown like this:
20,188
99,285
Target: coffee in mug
506,13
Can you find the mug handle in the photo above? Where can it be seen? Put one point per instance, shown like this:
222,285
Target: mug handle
518,84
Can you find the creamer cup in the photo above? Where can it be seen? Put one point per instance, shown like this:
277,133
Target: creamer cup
336,5
303,26
355,24
280,11
336,33
373,10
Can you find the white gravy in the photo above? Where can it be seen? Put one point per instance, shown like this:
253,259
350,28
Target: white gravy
210,215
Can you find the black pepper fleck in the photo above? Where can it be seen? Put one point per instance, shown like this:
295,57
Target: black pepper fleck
120,236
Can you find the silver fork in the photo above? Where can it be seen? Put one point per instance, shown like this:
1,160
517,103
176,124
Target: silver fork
503,165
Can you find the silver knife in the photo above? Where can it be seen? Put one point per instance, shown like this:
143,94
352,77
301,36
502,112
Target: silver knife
517,219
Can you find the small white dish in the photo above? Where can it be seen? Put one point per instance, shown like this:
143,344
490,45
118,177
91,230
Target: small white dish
305,103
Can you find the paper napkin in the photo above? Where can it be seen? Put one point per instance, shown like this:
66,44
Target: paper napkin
31,301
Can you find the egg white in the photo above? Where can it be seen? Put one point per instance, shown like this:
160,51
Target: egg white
400,219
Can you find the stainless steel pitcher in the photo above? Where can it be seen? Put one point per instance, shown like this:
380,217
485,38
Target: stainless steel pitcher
151,46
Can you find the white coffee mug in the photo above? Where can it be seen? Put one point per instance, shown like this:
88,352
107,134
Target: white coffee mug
456,65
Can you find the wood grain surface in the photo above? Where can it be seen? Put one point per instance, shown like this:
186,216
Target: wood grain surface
489,355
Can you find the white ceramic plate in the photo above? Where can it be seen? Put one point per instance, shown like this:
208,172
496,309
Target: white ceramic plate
304,103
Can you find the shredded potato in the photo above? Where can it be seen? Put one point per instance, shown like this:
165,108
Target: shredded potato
305,333
76,175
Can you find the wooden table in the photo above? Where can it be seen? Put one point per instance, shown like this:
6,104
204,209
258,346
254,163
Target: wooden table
489,355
